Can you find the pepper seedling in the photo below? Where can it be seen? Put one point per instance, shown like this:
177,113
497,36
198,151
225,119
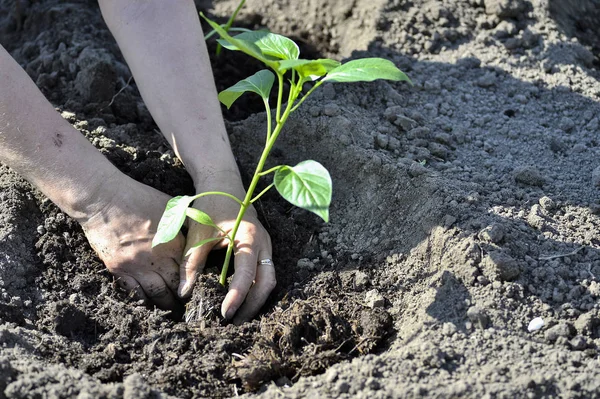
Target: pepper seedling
306,185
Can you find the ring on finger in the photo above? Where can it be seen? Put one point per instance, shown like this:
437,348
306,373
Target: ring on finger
266,262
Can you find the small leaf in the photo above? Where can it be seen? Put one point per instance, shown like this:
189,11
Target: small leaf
199,216
232,43
306,185
260,83
202,242
309,69
366,70
172,219
271,44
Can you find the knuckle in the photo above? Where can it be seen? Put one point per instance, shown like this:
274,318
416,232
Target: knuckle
156,291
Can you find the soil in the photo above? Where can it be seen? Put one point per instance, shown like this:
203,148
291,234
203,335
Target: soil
464,207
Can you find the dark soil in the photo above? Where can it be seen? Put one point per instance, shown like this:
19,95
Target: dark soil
463,208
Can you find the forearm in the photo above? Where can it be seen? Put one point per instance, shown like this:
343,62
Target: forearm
41,146
163,44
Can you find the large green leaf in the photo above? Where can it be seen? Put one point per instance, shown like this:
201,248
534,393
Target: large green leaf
306,185
172,219
271,44
260,83
309,69
366,70
232,43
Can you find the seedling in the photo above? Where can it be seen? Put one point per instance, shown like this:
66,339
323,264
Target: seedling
306,185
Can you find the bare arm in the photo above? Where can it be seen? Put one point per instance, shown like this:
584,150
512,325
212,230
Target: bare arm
41,146
163,44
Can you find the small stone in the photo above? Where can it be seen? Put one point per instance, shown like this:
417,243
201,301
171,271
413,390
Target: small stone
493,233
404,123
391,113
512,43
535,324
342,387
578,343
416,169
478,317
535,218
487,80
305,263
332,109
394,143
448,329
41,230
382,140
567,124
596,177
499,266
547,203
560,330
530,176
361,279
374,299
438,150
586,323
505,8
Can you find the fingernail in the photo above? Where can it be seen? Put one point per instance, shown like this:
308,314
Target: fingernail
184,288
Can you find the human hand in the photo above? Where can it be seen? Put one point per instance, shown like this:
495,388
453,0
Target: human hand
121,234
252,281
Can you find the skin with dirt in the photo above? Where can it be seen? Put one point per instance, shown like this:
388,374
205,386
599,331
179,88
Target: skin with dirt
463,208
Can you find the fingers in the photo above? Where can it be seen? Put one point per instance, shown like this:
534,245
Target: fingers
265,282
131,285
192,265
245,261
157,290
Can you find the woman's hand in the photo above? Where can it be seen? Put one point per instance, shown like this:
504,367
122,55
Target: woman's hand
253,280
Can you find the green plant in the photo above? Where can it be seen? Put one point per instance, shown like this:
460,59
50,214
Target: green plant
306,185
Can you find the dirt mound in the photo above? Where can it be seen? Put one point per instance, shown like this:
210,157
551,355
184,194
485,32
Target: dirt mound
463,208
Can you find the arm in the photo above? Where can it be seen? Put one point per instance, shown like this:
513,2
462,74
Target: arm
163,44
118,214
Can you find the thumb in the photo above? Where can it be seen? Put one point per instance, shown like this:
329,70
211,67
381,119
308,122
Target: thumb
190,266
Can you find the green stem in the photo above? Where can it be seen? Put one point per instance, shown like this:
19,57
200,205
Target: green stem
266,101
230,22
261,163
279,97
261,193
266,172
307,94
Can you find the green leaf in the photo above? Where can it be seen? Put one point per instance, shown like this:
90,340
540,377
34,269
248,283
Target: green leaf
270,44
232,43
260,83
172,219
306,185
366,70
202,242
199,217
309,69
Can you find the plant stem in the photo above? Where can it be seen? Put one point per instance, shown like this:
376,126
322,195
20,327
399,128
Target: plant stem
261,193
268,110
279,96
229,23
307,94
257,174
266,172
